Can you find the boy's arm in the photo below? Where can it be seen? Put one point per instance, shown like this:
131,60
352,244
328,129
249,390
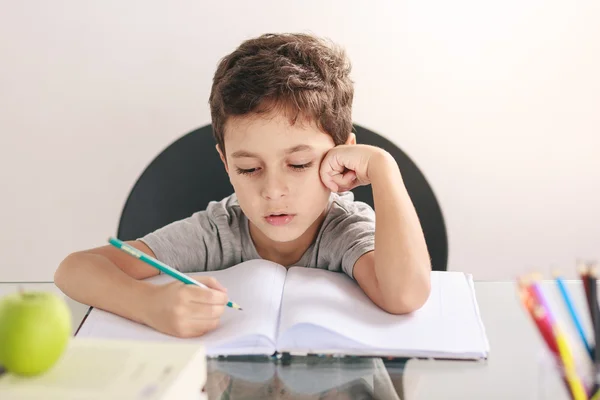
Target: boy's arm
107,278
396,276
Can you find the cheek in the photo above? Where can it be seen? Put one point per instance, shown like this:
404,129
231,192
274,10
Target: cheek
240,182
248,194
308,180
311,190
244,190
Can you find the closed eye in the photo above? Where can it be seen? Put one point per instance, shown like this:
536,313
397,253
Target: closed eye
301,167
253,171
248,171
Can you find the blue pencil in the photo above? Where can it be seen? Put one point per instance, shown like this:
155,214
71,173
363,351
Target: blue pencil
132,251
567,298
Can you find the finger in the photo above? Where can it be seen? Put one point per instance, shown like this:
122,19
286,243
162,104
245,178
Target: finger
205,311
327,174
345,181
333,164
329,183
197,294
211,282
198,327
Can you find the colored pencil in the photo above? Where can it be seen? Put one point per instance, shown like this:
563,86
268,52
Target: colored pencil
542,322
577,389
593,276
573,312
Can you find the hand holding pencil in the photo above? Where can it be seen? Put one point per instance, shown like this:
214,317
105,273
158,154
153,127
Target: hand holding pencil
184,308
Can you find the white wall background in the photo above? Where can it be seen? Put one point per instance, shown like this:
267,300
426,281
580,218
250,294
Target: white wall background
497,102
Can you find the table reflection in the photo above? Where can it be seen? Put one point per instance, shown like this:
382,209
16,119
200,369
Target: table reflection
306,378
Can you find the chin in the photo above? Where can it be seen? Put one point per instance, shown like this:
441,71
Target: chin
282,236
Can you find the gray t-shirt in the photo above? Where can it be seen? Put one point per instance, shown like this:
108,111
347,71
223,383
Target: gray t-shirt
219,237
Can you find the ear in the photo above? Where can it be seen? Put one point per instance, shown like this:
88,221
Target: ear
351,138
222,156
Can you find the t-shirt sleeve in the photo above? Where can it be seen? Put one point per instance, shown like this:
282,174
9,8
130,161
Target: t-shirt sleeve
200,242
348,235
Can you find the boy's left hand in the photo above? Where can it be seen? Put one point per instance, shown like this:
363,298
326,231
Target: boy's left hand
345,167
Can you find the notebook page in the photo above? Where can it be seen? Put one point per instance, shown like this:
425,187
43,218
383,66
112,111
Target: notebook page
255,285
320,305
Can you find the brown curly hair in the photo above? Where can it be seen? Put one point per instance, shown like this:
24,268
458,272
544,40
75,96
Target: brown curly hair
299,74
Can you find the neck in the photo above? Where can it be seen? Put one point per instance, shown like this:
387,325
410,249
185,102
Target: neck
285,253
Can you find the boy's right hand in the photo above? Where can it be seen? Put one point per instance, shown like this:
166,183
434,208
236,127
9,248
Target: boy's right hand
185,310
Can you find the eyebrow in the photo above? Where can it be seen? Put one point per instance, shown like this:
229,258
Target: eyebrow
247,154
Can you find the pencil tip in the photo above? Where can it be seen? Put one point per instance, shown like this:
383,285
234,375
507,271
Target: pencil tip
582,268
524,281
556,273
536,276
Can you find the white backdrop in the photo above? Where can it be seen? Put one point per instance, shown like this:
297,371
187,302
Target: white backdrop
497,102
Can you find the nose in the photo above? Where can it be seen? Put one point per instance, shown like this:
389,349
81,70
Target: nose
274,186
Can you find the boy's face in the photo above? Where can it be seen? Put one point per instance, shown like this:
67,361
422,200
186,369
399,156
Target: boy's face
274,169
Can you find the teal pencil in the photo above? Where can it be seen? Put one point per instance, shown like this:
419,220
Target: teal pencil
574,316
119,244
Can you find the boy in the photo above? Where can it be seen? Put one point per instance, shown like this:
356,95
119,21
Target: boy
281,114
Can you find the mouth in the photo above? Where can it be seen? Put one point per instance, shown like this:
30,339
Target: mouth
279,219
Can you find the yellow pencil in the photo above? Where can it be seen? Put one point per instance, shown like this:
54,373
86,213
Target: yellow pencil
577,389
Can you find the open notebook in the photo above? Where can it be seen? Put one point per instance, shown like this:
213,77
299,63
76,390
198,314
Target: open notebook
312,311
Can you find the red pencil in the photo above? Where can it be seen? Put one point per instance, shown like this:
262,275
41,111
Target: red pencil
540,318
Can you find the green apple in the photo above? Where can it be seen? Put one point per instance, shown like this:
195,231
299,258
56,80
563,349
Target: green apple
35,328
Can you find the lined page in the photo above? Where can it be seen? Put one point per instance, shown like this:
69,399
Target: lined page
319,306
255,285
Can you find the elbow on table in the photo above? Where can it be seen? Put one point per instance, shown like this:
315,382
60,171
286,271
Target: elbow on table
409,299
62,272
